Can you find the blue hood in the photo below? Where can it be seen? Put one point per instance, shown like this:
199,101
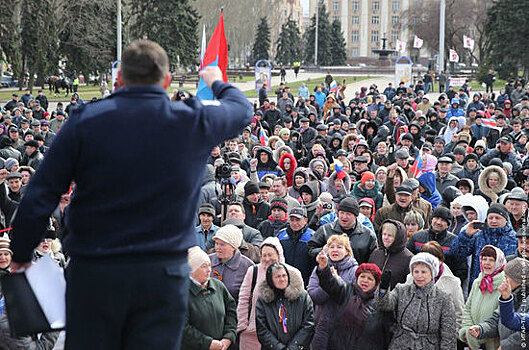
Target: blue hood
427,180
454,100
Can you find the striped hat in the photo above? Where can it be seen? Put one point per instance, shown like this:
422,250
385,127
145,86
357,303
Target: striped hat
4,244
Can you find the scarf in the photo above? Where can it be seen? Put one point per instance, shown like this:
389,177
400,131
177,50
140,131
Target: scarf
355,313
441,269
283,317
486,284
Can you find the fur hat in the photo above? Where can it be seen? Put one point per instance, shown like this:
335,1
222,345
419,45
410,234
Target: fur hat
427,259
196,257
230,234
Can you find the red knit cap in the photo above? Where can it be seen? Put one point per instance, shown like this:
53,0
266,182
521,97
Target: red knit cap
369,268
367,175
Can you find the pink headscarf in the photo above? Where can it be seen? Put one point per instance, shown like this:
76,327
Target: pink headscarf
429,162
486,284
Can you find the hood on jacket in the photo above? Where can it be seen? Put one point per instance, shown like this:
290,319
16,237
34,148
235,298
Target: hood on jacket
277,152
431,194
402,173
346,140
383,132
400,238
274,242
271,163
449,194
209,174
292,292
469,183
312,167
480,143
454,100
484,187
332,189
301,171
478,203
312,188
293,163
372,202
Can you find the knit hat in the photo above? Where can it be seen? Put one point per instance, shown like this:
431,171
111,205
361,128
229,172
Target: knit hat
250,187
499,209
279,203
230,234
350,205
10,162
4,243
196,257
473,156
427,259
284,131
207,208
443,213
382,168
517,268
367,175
369,268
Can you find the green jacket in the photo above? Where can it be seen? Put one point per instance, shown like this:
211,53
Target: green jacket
212,315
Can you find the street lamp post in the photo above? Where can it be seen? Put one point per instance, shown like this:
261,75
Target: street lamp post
316,34
442,37
118,25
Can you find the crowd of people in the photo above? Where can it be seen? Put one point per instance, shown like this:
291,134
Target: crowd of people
390,221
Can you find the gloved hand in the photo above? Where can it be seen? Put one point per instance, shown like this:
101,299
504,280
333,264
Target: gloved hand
385,280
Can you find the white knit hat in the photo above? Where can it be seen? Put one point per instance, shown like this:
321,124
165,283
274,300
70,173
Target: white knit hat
196,257
427,259
4,244
230,234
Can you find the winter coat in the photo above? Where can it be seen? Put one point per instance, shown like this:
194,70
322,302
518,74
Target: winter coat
451,285
442,183
311,207
332,189
295,247
359,192
204,237
491,195
362,241
425,317
396,258
473,175
431,194
45,342
293,164
478,308
494,327
457,265
375,333
300,316
325,307
396,212
293,191
271,228
255,212
510,157
269,167
246,322
503,238
211,316
231,272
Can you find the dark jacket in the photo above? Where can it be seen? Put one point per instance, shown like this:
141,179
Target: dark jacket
362,241
115,216
300,316
326,308
271,228
376,331
211,315
457,265
255,213
296,251
396,258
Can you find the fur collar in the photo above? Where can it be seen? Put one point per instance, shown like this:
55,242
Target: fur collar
292,292
482,182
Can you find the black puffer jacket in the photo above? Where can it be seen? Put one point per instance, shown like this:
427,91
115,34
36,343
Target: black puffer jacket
255,213
396,258
299,314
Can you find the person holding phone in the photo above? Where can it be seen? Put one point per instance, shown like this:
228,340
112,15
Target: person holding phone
497,231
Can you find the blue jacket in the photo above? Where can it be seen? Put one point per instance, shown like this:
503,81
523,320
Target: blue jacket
427,180
479,131
118,208
320,97
509,318
463,246
296,251
203,239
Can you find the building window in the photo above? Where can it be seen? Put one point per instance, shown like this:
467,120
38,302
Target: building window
394,19
336,6
395,6
374,36
394,36
376,6
356,20
375,20
335,18
356,5
354,52
355,36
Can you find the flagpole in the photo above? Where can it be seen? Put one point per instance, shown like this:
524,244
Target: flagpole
119,38
442,37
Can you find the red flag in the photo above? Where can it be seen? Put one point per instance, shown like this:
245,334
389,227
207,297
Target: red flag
217,51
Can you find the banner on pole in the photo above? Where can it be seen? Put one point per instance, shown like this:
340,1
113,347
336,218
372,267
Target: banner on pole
417,42
454,57
400,46
116,66
263,75
468,43
403,71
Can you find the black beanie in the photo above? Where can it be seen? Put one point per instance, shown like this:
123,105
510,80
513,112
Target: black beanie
250,188
350,205
279,203
499,209
443,213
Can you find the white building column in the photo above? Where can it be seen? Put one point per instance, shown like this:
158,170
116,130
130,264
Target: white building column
365,34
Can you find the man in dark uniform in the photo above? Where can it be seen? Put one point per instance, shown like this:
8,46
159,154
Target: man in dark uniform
128,229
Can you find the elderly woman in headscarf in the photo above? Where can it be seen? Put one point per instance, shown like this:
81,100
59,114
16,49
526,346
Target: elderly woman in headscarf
211,318
483,297
450,130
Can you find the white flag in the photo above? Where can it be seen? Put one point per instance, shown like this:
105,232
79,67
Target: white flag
401,46
454,57
203,46
468,43
417,42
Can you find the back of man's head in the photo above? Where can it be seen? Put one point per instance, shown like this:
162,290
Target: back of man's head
144,63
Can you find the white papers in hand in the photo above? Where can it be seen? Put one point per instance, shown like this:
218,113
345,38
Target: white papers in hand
47,281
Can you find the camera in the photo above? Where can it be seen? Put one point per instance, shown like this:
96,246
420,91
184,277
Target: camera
327,206
223,171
